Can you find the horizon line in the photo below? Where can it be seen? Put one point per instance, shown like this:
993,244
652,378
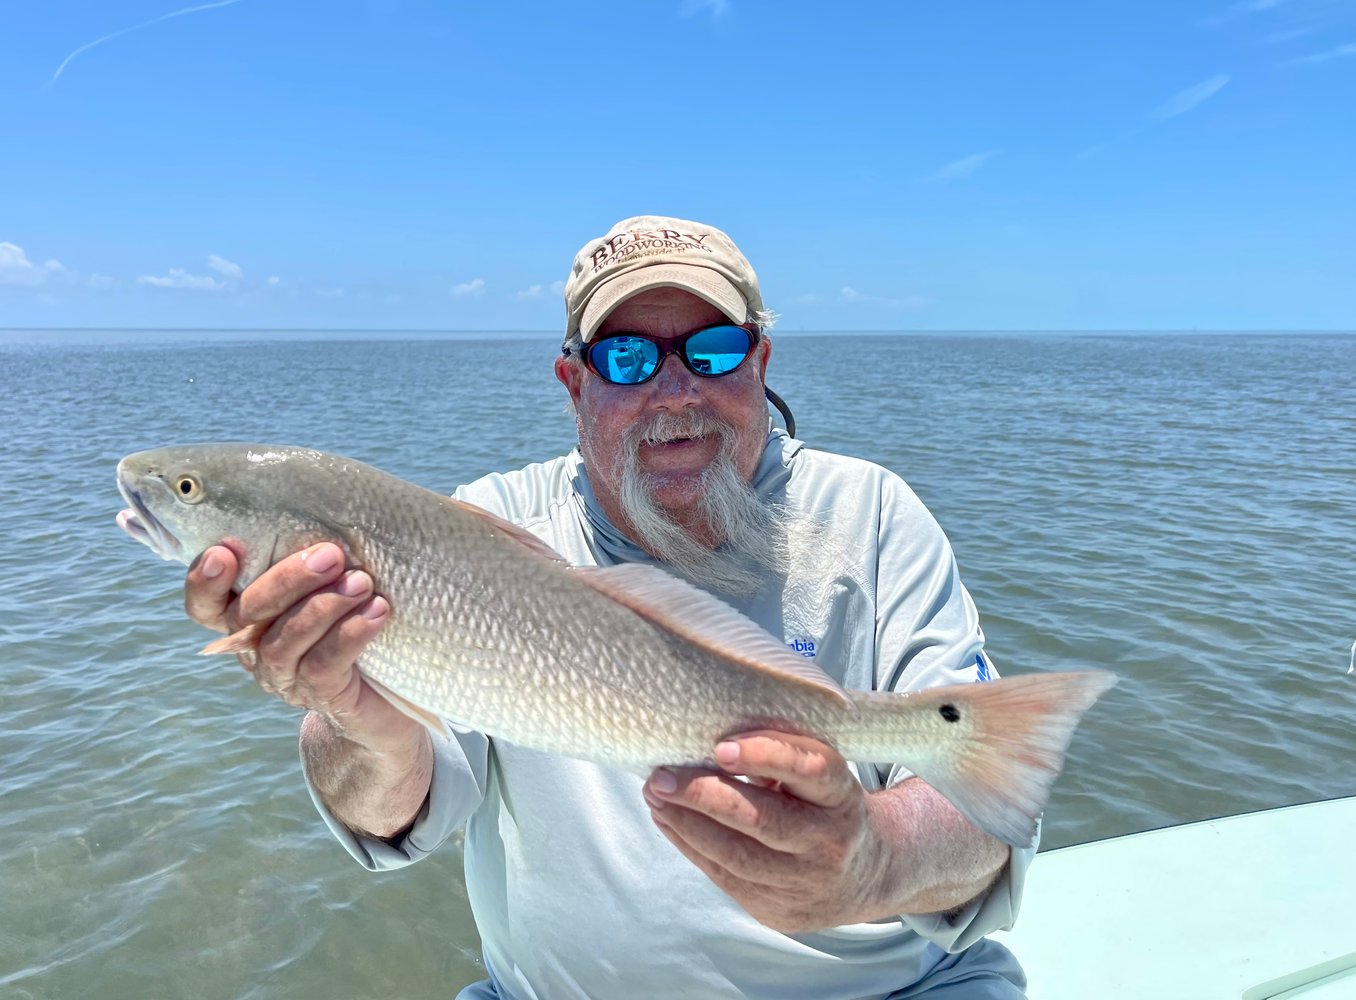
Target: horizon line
554,332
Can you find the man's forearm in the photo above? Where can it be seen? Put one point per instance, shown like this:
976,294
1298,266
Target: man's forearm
376,793
937,861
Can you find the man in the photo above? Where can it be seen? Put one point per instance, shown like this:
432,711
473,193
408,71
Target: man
781,871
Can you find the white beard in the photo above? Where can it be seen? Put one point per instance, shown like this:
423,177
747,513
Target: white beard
757,537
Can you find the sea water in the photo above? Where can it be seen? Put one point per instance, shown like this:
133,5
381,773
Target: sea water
1180,509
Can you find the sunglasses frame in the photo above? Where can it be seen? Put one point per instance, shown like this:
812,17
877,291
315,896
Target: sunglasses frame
667,346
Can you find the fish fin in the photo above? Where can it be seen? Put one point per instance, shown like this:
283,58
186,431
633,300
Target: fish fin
1008,745
431,721
515,531
707,621
245,640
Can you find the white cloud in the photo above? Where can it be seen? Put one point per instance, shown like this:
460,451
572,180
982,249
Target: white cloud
476,286
532,292
808,299
557,288
179,278
223,266
1340,52
17,269
1183,101
964,167
274,281
101,281
716,8
850,294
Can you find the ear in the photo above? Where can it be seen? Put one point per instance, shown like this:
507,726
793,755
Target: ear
571,376
762,353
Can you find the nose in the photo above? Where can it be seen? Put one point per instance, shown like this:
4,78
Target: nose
674,385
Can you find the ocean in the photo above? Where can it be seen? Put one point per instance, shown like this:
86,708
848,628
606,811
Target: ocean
1178,508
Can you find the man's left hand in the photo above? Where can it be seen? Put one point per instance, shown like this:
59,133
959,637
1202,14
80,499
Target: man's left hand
797,845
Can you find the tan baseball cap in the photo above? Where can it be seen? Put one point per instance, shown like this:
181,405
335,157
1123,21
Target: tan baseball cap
655,251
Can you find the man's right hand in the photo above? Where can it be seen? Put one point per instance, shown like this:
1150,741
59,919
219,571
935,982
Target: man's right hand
319,618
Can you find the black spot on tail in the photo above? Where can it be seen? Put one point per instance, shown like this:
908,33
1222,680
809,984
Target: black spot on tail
950,713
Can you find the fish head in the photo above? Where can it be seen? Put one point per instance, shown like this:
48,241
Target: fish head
263,501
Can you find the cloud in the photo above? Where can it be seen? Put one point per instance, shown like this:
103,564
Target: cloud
557,288
274,281
532,292
101,281
849,294
716,8
1185,100
223,266
17,269
965,167
476,286
136,27
1340,52
1256,6
179,278
1289,34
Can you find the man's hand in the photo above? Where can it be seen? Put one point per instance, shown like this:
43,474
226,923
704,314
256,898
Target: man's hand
371,763
802,846
797,847
319,619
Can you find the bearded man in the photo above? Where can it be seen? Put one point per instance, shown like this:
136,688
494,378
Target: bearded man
781,871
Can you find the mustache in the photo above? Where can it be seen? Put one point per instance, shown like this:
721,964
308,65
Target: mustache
677,425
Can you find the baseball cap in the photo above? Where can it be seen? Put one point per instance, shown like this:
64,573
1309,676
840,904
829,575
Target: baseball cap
657,251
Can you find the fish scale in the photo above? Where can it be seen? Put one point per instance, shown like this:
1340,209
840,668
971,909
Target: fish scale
625,665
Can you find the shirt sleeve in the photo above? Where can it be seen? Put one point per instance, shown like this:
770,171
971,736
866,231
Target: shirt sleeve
928,634
460,766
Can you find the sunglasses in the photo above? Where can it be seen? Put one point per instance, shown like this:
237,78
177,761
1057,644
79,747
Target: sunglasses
632,358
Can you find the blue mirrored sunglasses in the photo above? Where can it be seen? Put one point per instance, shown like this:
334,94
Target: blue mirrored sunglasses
627,358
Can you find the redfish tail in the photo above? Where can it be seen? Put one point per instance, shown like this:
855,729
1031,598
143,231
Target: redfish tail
996,747
245,640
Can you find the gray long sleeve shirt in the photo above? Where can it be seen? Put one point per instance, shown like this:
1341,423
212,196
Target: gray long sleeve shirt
574,891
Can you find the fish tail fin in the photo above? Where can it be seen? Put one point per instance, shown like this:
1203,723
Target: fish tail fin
993,748
245,640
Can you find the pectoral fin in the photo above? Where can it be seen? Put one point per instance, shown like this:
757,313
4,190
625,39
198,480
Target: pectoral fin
245,640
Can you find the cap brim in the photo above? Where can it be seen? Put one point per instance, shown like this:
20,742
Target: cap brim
703,282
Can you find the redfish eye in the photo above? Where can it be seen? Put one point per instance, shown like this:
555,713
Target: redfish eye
188,488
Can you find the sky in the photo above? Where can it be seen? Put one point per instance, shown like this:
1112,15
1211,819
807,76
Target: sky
420,165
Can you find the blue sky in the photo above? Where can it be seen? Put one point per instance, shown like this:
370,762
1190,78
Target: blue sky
420,165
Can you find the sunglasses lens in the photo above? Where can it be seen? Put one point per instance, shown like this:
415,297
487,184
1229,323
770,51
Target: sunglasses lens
718,349
624,360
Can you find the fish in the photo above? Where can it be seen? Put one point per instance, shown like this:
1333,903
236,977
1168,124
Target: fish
626,665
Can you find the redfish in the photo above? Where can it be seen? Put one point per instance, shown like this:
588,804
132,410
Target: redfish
624,665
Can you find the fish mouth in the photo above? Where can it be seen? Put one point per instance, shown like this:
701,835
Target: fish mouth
142,525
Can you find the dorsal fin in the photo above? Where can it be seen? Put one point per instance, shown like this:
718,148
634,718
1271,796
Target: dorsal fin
514,531
707,621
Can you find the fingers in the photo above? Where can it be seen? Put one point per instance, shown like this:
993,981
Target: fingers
284,584
207,592
307,654
766,815
805,767
723,846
